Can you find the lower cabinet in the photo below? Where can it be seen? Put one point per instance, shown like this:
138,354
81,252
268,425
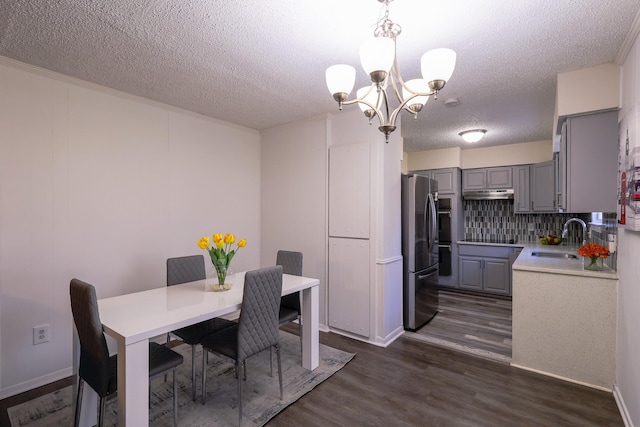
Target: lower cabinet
485,268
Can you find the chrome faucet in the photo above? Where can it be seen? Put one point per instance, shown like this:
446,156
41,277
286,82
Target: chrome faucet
565,230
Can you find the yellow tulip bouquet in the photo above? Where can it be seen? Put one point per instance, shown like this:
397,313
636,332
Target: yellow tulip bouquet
221,253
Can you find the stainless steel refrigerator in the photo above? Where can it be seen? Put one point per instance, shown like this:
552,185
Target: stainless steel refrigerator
419,249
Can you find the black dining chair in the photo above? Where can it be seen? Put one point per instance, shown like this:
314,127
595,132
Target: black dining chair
257,329
190,269
291,263
99,369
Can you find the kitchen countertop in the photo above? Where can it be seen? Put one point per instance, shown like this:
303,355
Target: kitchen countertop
489,243
527,262
573,267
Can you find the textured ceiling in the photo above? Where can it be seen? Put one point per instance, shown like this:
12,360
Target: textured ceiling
260,63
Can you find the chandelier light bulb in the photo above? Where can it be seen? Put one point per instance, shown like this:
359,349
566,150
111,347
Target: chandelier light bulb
473,135
368,94
340,79
376,55
416,85
438,65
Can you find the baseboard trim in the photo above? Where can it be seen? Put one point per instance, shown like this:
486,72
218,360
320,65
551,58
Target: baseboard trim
624,413
35,383
560,377
391,260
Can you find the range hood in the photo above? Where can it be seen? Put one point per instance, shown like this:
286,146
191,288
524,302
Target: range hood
488,194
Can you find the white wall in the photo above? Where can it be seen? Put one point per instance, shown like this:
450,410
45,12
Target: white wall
574,96
105,187
507,155
293,199
504,155
434,159
628,338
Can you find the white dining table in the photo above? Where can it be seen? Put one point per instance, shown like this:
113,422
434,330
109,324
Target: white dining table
133,319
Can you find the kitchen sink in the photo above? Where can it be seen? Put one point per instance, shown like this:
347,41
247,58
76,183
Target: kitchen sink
544,254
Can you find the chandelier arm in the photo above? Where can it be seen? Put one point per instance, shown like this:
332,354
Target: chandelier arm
383,93
376,110
403,105
393,74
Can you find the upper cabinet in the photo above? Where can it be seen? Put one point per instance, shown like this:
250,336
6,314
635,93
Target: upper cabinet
498,178
588,163
448,179
521,189
543,187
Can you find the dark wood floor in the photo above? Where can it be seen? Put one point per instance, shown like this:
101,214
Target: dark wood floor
412,383
480,325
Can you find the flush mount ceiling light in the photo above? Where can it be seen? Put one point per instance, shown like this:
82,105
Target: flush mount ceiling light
473,135
378,58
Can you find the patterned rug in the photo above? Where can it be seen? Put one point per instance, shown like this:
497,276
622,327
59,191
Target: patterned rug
476,325
261,395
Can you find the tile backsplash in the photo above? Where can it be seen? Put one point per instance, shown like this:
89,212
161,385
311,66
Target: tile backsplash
495,220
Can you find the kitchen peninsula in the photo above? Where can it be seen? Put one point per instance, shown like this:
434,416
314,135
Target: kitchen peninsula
564,317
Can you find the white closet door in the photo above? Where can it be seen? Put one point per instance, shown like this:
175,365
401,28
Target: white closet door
349,190
349,301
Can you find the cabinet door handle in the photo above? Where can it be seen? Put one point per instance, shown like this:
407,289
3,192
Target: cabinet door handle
532,205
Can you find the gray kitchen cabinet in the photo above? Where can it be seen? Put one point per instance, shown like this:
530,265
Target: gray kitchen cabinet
474,179
543,187
470,276
588,163
521,189
448,179
534,188
497,178
485,268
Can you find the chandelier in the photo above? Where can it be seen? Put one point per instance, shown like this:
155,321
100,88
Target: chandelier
378,58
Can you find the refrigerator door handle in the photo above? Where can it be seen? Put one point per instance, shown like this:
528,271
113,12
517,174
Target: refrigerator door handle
433,226
424,276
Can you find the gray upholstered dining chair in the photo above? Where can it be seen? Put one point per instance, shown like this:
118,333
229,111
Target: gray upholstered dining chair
190,269
257,329
99,369
291,263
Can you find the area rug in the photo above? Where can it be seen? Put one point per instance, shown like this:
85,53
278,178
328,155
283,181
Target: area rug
476,325
260,394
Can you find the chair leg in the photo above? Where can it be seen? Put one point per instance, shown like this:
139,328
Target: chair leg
76,421
167,345
279,369
271,361
300,331
175,398
241,366
101,413
193,372
204,373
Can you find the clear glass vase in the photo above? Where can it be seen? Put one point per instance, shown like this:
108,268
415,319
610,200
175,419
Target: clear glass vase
593,263
220,278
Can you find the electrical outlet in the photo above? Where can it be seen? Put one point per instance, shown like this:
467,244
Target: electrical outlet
40,334
531,226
